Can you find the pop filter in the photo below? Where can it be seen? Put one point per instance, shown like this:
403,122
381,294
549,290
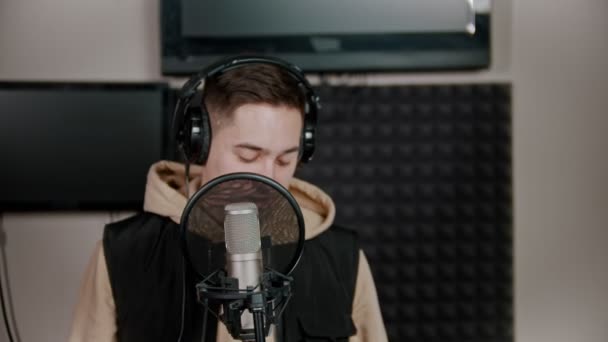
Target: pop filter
206,244
280,217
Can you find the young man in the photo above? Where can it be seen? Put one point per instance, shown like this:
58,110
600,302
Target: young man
132,289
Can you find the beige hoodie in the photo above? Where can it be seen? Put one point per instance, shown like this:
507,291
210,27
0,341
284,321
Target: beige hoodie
94,319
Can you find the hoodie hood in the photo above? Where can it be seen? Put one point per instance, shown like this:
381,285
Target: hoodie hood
166,196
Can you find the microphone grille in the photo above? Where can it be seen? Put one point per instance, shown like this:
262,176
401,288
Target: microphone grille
242,228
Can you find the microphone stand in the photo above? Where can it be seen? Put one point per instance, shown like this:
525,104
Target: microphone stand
258,319
257,304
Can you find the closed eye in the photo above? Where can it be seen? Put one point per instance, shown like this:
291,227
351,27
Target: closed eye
247,160
247,153
283,163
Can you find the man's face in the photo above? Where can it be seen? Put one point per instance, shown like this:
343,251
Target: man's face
260,138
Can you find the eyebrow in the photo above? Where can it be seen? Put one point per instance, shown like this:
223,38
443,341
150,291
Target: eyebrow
259,149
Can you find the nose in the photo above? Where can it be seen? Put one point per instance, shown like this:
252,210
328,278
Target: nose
268,169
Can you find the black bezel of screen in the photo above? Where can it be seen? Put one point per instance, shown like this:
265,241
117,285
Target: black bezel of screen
424,52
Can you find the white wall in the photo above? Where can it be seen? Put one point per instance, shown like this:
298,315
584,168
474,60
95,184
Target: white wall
79,40
560,73
554,52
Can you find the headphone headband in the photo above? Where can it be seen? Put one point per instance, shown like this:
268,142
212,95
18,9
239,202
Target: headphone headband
191,120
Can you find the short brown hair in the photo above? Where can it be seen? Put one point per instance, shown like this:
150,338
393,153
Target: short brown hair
252,84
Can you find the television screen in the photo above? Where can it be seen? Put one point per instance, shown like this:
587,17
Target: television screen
79,146
322,35
234,18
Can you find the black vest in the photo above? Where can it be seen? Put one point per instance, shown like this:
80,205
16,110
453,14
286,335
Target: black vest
145,266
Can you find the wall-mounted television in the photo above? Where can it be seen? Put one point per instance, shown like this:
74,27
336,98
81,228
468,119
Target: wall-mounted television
328,36
79,145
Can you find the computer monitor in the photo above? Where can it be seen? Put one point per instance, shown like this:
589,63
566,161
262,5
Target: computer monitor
79,145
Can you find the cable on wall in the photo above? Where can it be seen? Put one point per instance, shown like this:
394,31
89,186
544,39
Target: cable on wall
3,302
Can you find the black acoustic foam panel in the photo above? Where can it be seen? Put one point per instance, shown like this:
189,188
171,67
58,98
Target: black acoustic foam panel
423,174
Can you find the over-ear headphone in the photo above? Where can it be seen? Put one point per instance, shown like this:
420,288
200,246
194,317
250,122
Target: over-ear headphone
191,124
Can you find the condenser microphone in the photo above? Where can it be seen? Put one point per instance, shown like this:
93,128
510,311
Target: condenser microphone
243,250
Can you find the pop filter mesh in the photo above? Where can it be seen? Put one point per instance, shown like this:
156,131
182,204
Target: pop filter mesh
280,220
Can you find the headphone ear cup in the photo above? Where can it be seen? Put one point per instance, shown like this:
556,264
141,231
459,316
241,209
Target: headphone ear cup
198,139
195,134
205,136
307,143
